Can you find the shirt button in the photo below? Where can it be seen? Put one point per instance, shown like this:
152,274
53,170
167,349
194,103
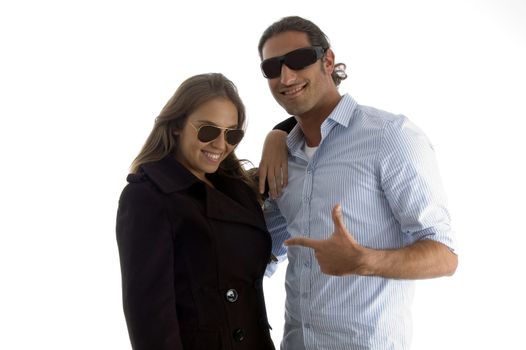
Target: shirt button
306,264
239,335
231,295
307,325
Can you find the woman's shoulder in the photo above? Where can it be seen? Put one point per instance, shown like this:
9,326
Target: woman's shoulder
140,190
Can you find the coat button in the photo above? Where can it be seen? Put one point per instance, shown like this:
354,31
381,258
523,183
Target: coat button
231,295
239,335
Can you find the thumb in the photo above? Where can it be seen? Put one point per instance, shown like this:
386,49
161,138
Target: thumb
337,218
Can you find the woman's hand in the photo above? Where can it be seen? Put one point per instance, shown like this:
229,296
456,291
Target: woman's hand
273,164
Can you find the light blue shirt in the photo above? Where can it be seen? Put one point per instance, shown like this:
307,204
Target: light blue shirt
382,170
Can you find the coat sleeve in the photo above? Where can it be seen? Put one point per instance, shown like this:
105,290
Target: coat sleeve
146,256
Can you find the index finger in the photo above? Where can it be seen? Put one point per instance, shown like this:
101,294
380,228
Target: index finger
285,173
262,170
303,242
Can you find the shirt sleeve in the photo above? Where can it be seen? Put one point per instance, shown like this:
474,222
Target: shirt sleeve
277,227
146,256
411,181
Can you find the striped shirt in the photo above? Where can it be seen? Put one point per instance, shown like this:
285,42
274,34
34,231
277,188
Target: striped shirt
382,170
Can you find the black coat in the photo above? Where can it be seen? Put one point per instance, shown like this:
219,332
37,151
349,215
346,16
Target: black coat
192,261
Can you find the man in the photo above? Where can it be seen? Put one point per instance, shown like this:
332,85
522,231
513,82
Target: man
352,288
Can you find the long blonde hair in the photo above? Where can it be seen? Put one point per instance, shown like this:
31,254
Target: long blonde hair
191,94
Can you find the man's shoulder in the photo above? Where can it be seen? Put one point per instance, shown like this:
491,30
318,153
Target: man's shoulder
379,116
368,114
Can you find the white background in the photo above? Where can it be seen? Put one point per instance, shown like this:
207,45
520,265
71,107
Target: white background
82,81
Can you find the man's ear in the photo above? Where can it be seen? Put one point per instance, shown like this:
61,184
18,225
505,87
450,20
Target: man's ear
328,61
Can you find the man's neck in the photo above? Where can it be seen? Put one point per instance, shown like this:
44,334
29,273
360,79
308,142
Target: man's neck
310,122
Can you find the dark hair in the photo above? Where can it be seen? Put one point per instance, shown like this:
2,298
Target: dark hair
192,93
314,33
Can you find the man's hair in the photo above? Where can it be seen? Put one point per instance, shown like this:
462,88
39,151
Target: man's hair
316,38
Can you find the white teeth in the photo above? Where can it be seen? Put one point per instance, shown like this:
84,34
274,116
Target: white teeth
212,156
293,91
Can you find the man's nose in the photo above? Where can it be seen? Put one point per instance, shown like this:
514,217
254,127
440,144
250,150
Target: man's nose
288,76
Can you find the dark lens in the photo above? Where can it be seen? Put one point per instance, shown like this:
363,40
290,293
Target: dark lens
301,58
234,136
208,133
297,59
271,67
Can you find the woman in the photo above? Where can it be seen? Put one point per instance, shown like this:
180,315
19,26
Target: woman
192,239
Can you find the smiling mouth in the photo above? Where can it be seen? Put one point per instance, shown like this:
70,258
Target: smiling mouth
214,157
293,91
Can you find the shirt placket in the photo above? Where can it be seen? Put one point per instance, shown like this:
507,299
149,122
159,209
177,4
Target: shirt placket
307,262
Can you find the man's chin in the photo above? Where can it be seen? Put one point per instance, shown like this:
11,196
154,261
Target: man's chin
292,109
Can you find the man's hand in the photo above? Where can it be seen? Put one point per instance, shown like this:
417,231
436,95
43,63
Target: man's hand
339,254
273,164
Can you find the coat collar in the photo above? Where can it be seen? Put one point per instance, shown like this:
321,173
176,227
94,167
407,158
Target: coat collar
169,175
231,200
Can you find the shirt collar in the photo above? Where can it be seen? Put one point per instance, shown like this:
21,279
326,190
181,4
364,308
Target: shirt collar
342,114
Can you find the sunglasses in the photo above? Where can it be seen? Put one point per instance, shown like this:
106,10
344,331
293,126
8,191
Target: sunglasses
297,59
207,133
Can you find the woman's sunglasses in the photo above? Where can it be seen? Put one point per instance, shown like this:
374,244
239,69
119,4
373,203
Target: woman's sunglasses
297,59
207,133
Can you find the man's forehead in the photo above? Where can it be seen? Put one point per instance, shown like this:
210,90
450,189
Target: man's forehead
282,43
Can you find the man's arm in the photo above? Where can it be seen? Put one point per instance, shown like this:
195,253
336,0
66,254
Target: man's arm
273,165
340,255
422,259
277,227
409,177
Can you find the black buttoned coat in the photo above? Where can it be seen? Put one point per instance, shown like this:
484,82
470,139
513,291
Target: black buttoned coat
192,261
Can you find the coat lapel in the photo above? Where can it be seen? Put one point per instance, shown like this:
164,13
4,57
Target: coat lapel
232,200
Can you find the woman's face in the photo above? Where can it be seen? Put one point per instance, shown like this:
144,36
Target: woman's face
199,157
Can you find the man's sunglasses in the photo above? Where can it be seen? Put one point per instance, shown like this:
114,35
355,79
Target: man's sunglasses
297,59
207,133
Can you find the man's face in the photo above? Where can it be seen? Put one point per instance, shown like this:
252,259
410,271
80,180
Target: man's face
297,91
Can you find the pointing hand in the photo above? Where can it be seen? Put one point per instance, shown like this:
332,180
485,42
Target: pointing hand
339,254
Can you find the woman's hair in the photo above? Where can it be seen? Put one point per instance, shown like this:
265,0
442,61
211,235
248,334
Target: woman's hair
191,94
314,33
